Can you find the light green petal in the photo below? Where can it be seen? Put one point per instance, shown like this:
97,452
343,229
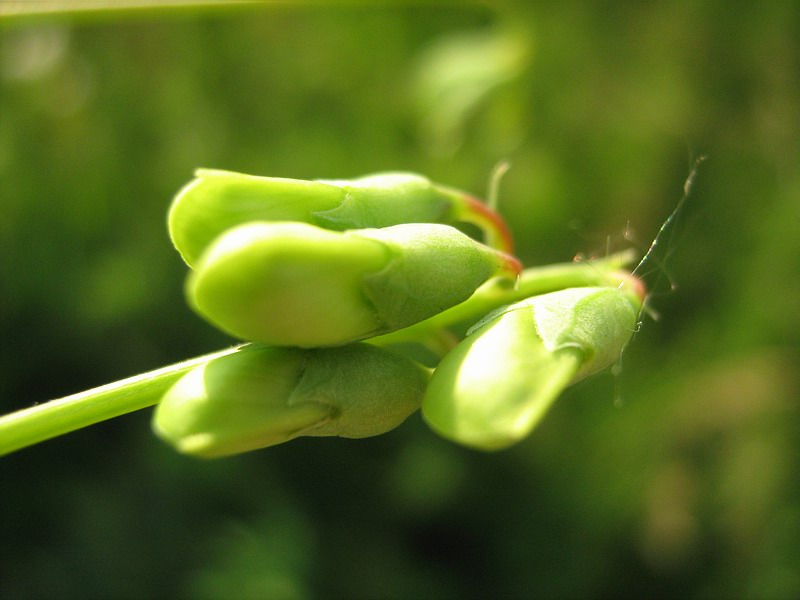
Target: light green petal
237,403
216,201
288,284
494,387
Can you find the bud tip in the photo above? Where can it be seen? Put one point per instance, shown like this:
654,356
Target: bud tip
632,283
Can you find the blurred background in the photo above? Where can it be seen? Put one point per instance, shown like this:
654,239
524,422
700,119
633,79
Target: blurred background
678,477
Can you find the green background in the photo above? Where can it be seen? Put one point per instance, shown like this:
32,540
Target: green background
676,478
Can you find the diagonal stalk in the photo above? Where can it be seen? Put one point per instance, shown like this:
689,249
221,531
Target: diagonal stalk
51,419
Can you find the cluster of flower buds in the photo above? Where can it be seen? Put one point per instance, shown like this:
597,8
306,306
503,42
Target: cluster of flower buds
309,270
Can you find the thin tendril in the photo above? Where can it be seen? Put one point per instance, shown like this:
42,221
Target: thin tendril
666,228
666,225
493,193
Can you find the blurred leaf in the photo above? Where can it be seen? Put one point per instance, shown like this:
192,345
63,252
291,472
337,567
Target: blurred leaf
458,73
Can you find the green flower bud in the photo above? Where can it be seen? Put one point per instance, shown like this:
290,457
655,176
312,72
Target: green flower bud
493,388
216,201
262,396
293,284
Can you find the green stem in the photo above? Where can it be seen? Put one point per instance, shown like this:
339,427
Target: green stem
44,421
498,292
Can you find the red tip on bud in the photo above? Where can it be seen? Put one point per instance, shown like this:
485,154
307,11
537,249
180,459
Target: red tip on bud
492,223
510,264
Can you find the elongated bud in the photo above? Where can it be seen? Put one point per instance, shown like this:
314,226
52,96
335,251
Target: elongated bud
493,388
293,284
216,201
262,396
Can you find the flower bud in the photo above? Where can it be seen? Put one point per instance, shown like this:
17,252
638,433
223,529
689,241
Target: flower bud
492,389
216,201
293,284
262,396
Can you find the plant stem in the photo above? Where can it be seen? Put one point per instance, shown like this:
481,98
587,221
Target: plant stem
44,421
